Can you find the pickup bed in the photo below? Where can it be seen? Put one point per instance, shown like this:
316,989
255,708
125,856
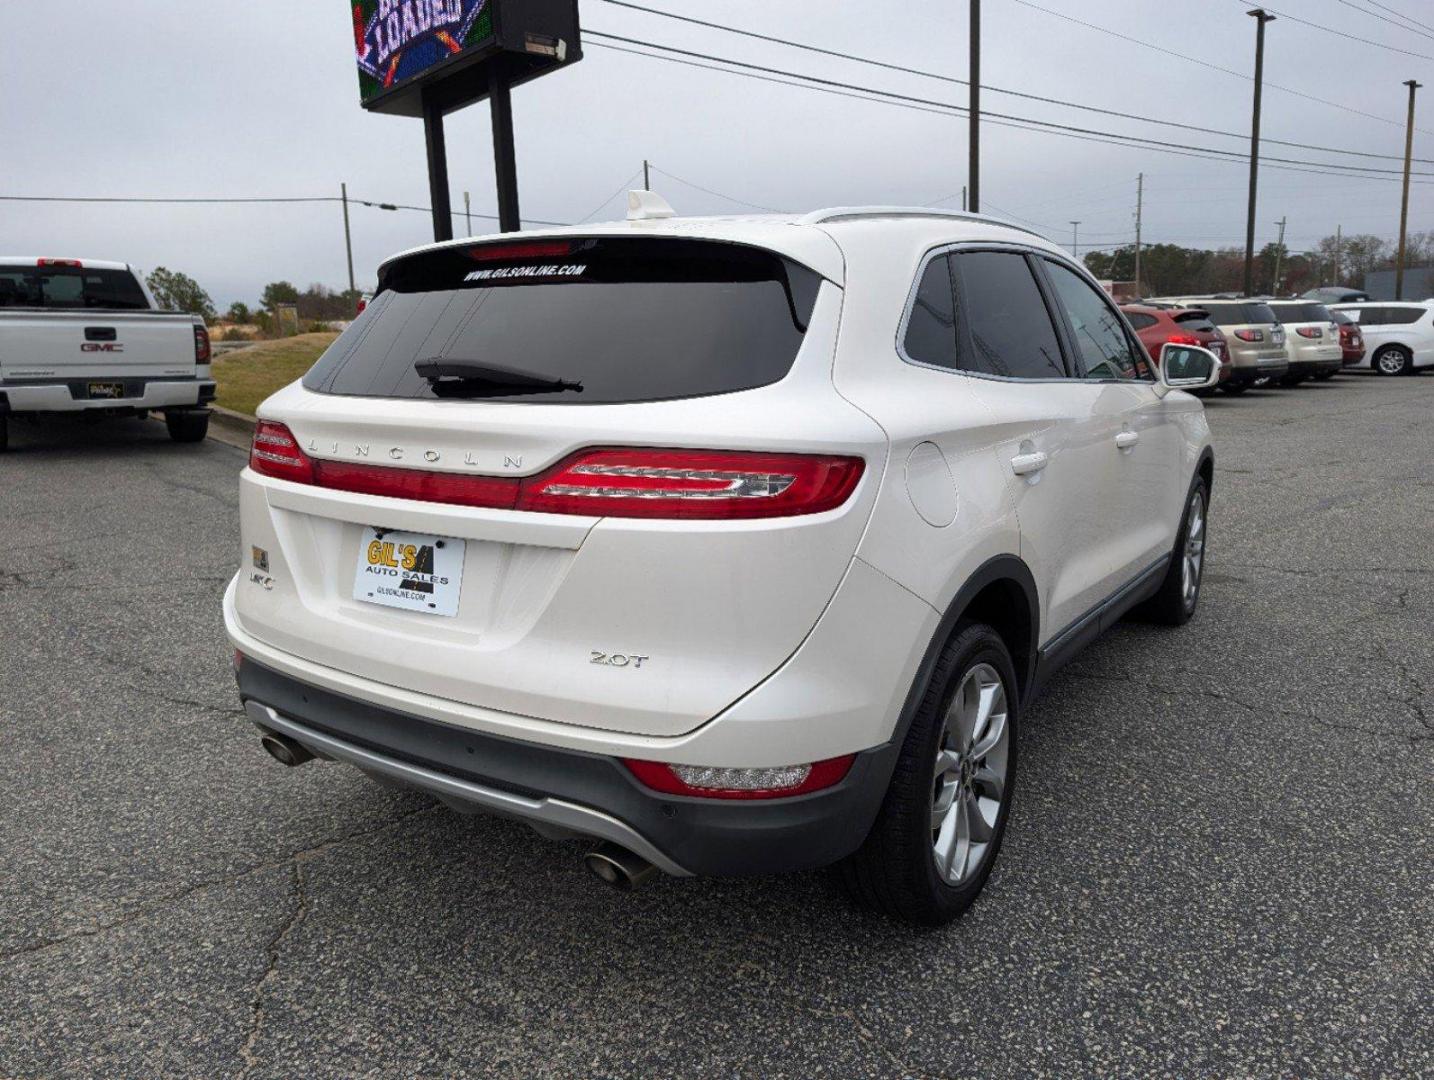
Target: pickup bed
84,337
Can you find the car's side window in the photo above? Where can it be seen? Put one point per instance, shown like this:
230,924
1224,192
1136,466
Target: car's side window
1370,316
1105,348
1004,326
1402,316
931,326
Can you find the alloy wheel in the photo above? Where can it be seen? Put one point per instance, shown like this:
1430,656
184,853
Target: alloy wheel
1391,362
1193,558
969,787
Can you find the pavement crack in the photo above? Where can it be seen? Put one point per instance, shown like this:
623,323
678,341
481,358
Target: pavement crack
223,881
274,951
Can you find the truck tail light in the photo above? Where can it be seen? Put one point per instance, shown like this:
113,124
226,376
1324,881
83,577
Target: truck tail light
75,264
705,484
202,350
707,782
1250,335
1309,331
641,483
275,452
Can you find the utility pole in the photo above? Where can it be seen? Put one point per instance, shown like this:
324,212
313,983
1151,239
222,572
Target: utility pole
974,119
1404,202
1075,239
1261,16
1139,206
1279,250
348,237
1338,246
646,183
963,198
468,213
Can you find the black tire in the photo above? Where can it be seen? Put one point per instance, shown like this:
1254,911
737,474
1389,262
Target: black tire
1392,360
187,426
895,870
1234,389
1174,604
4,433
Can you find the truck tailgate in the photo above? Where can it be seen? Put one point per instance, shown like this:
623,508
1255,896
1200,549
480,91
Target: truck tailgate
85,344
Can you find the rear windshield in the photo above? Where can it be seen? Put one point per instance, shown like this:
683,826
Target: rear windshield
625,320
1193,320
1240,314
70,287
1300,313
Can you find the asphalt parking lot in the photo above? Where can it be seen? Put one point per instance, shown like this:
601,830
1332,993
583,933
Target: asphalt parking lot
1219,861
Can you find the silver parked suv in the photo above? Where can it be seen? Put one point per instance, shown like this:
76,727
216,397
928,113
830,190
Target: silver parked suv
1253,333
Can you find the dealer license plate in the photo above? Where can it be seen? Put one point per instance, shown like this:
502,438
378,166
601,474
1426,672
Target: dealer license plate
409,571
106,390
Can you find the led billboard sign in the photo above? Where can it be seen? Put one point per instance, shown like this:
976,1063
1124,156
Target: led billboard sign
447,48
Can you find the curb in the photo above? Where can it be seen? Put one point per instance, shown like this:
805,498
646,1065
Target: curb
230,427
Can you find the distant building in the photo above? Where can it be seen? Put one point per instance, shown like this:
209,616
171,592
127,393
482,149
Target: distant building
1418,283
1121,290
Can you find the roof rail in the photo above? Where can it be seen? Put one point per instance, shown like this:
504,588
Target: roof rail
839,213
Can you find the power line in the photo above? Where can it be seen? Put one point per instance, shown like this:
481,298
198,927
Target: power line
1180,54
1344,34
184,200
994,89
1386,18
1012,120
709,191
583,220
1406,18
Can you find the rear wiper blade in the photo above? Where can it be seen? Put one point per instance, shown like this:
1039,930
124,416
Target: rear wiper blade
452,374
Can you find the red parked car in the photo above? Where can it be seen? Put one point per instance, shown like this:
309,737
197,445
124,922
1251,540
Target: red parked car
1156,325
1350,339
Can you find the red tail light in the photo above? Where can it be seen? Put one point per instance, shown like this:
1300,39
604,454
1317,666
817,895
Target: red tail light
360,306
75,263
275,452
1250,335
1309,331
704,782
202,350
1183,339
638,483
707,484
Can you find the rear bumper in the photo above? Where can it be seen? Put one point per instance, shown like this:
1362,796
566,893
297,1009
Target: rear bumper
564,792
72,395
1264,369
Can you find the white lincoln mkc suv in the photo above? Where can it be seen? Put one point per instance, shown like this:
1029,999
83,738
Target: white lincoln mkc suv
736,545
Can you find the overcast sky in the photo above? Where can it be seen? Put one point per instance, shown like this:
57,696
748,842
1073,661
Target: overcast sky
261,98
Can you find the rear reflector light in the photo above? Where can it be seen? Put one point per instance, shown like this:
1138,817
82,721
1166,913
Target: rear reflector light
707,782
275,452
201,345
1250,335
1309,331
687,484
534,249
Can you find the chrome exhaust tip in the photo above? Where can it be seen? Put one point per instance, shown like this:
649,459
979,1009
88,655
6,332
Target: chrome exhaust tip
619,867
285,750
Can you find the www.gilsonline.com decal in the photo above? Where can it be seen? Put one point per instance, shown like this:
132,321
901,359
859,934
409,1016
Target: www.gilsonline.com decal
398,39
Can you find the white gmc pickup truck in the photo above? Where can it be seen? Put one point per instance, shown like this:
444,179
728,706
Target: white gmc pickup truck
80,336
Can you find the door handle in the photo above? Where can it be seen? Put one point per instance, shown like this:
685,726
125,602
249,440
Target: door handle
1126,439
1025,464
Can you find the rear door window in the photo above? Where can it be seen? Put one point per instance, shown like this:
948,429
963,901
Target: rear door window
1140,320
1004,326
1403,316
1194,321
627,320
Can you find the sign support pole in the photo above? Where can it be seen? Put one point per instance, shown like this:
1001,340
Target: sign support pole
505,164
437,169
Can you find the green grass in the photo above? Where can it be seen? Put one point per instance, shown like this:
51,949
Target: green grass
247,376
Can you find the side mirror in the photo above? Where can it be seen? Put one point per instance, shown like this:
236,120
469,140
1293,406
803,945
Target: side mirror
1188,367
